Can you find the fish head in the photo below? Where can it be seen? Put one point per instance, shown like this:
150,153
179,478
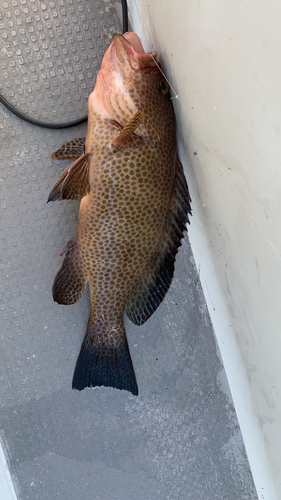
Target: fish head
129,81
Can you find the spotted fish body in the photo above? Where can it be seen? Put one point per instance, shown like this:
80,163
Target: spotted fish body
134,207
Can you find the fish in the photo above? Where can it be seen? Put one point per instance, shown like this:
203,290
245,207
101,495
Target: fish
134,208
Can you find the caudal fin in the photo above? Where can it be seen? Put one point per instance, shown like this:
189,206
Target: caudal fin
102,362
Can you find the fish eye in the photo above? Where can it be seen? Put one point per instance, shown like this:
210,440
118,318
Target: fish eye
164,87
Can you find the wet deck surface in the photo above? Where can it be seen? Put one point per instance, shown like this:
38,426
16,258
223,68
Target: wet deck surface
179,439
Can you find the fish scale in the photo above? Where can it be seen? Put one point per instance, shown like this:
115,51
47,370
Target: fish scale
134,208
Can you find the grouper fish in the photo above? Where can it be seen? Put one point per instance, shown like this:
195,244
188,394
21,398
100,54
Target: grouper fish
133,213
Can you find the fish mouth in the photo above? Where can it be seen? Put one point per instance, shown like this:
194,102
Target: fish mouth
129,46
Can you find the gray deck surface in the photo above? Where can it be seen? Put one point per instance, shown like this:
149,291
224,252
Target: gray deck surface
179,439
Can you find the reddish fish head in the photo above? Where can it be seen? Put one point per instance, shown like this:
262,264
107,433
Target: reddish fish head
128,53
125,80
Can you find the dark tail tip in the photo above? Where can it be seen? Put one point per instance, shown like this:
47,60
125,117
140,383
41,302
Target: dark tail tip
103,365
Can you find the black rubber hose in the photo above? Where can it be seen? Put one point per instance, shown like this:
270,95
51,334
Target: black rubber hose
27,118
124,16
38,123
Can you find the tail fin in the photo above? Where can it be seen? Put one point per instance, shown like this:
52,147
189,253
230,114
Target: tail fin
104,361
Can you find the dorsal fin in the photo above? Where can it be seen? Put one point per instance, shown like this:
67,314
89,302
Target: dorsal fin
153,288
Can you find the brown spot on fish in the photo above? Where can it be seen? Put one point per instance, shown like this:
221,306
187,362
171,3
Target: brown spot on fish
132,215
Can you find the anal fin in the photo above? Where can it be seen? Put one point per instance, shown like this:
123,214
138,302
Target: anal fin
153,288
72,149
73,183
71,281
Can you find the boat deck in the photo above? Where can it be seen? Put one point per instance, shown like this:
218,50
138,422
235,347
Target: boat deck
180,438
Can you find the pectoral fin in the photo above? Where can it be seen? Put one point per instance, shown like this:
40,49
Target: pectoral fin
72,149
154,286
73,183
125,135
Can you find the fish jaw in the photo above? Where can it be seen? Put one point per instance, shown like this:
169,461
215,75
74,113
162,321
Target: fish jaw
135,41
125,54
128,48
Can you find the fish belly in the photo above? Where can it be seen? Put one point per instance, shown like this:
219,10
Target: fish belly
120,227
